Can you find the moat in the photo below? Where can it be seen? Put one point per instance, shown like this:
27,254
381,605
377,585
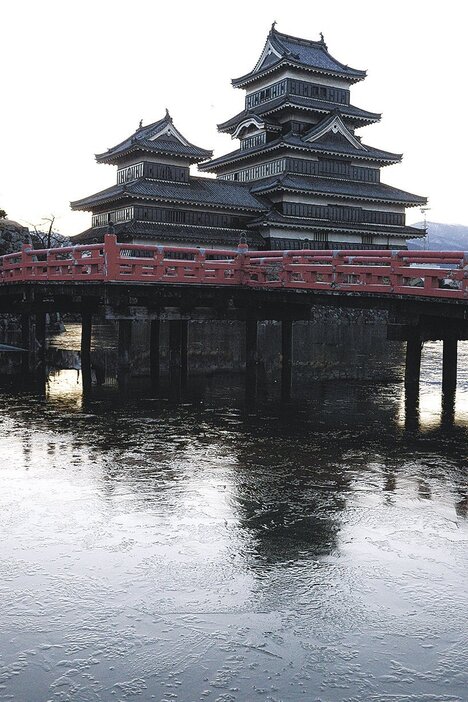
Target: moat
202,551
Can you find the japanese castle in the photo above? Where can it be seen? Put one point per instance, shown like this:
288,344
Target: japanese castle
300,178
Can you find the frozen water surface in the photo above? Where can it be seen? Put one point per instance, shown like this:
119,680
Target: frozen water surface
195,553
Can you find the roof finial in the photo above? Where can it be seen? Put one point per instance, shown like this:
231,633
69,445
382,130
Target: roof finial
322,38
141,124
168,116
273,26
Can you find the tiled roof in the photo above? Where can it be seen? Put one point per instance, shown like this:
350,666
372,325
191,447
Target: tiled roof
336,143
304,53
338,188
146,139
267,108
273,217
329,144
202,191
160,232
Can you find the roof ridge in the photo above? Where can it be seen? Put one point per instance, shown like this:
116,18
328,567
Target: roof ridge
311,42
320,44
218,180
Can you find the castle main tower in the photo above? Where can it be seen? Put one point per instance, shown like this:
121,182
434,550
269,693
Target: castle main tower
299,151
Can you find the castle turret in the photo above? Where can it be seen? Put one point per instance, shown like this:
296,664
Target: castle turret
156,199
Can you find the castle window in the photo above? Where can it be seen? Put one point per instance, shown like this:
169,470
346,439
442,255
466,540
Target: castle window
320,236
124,175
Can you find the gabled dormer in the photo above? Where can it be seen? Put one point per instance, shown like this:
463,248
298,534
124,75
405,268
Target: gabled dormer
333,126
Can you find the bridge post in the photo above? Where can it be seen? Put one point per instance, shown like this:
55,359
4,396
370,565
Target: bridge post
41,350
449,364
449,379
251,357
286,359
123,364
412,408
28,341
413,360
184,331
447,417
175,358
86,331
155,340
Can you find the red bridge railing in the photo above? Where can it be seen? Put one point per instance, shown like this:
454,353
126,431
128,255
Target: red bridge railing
424,273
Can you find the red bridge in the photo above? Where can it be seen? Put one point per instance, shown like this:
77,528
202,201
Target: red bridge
416,273
425,294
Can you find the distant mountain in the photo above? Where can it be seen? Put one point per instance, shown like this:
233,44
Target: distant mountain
441,237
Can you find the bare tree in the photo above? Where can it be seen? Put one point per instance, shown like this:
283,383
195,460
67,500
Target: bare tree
51,221
47,239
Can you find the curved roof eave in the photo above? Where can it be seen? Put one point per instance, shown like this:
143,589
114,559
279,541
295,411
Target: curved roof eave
369,119
230,125
111,158
227,160
341,196
88,206
386,230
279,184
285,62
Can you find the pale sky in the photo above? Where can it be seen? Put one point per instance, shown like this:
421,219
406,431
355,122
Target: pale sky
77,78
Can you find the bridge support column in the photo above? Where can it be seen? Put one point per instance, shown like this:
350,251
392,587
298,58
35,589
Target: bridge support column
28,341
413,361
41,326
251,358
124,344
177,357
286,359
155,342
86,331
449,365
449,379
412,408
184,332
